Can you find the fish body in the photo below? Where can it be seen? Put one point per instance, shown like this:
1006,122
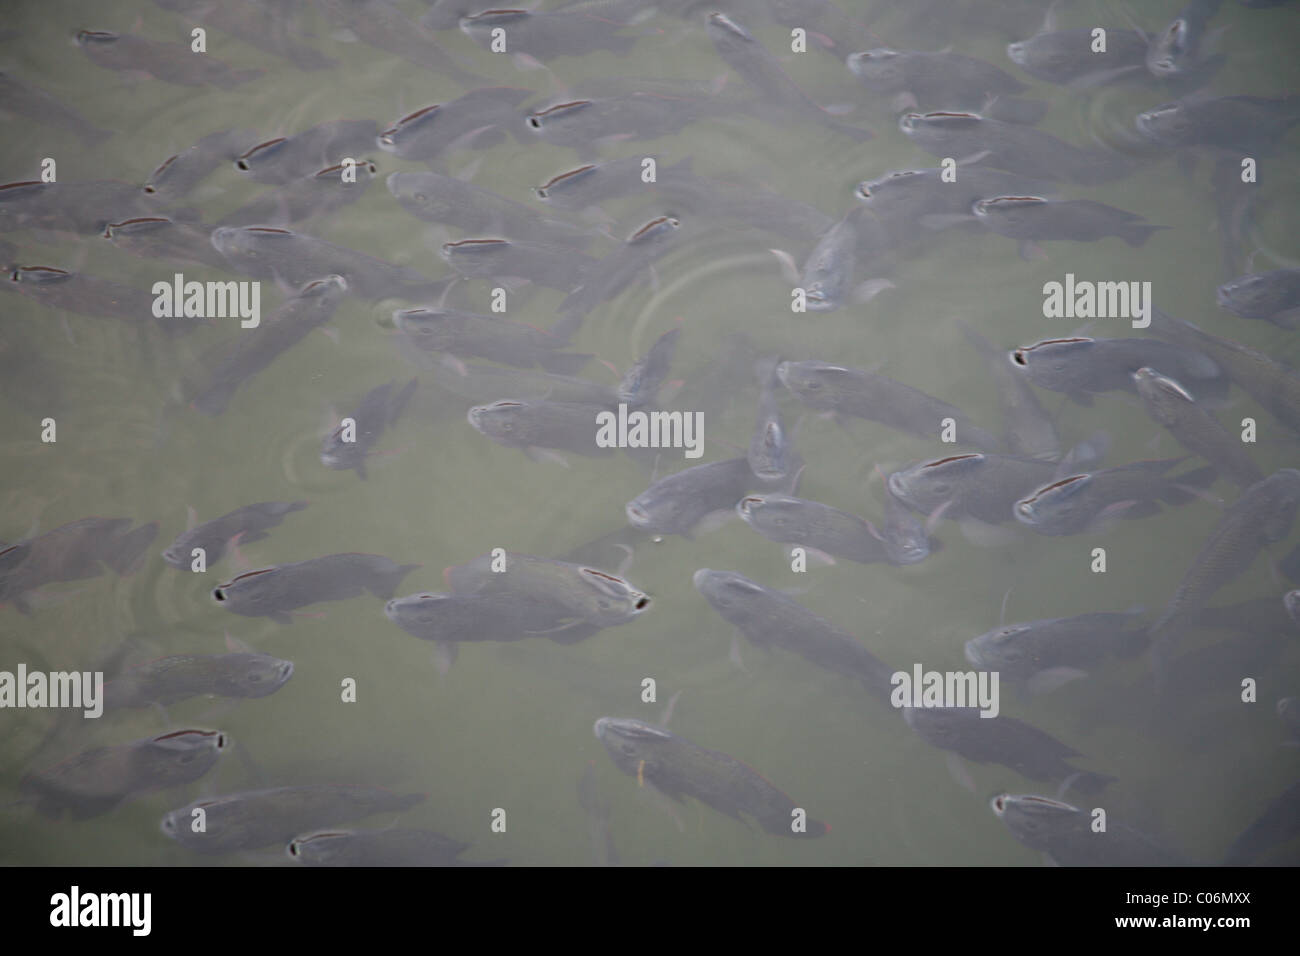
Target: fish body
1247,124
72,552
1021,652
397,846
478,115
168,680
325,191
549,264
1080,220
1272,296
678,768
540,424
168,62
157,237
1067,58
1080,366
436,198
380,407
1027,430
249,523
274,592
545,35
1065,833
980,486
812,524
80,293
677,503
609,276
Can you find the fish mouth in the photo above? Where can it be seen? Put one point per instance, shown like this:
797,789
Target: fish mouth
636,515
908,121
745,506
1016,53
598,728
701,577
897,485
972,655
286,671
999,804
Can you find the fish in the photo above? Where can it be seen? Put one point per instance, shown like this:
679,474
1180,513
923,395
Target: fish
379,408
241,526
1081,366
576,593
1003,740
179,173
1081,220
594,183
908,200
1012,147
158,237
813,525
285,159
545,35
678,768
1273,384
944,80
1179,49
1173,406
266,252
779,98
641,382
168,62
1288,714
1262,515
551,265
1272,296
1234,206
81,208
1277,825
484,384
382,24
1080,503
275,591
768,618
325,191
261,25
169,680
74,551
1067,58
535,425
864,394
95,781
1066,835
1042,655
441,199
1027,431
27,100
680,502
609,276
257,818
449,619
828,270
982,486
586,124
1251,125
395,846
225,368
906,539
80,293
771,453
479,116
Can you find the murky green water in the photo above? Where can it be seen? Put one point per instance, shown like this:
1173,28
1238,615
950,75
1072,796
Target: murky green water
511,725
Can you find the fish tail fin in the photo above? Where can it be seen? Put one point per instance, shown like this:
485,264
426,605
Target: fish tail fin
1137,235
565,363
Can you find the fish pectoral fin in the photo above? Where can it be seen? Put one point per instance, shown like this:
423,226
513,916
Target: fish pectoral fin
444,656
567,625
540,455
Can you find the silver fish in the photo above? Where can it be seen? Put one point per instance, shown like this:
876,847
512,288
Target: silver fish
479,116
449,620
380,407
83,208
1065,833
72,552
284,159
168,62
448,201
1173,406
677,503
862,394
275,591
550,265
1272,296
771,453
323,192
911,198
178,677
644,377
34,103
397,846
79,293
1247,124
249,523
258,818
980,486
547,34
944,80
538,424
181,172
1026,428
96,781
1045,654
1080,220
157,237
470,335
1066,57
1080,366
811,524
609,276
1178,49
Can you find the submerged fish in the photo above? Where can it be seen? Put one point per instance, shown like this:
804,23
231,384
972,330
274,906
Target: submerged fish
157,237
80,293
34,103
863,394
549,264
1178,49
1248,124
1173,406
547,34
911,199
478,116
71,552
1262,515
1003,740
1080,366
1086,502
678,768
223,370
768,618
178,174
1277,825
678,503
1066,834
258,818
644,377
771,453
1026,428
537,425
345,447
274,592
178,677
470,335
284,159
813,525
83,208
1272,296
1012,147
168,62
449,620
249,523
266,252
943,80
434,197
1045,654
980,486
609,276
95,781
396,846
319,194
1080,220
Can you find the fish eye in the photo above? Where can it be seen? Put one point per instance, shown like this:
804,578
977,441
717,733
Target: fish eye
420,197
219,594
642,603
534,122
